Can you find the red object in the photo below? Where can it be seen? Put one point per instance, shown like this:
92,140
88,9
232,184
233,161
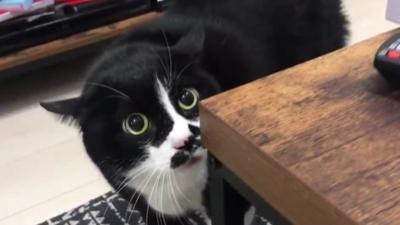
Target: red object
74,2
15,9
393,54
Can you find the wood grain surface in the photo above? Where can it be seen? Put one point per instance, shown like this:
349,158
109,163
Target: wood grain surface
320,141
73,41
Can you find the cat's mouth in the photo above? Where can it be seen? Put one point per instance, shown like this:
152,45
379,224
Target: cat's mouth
185,159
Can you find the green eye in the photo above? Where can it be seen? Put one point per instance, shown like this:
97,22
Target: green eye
136,124
188,99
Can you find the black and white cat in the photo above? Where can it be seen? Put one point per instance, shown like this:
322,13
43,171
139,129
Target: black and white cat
138,109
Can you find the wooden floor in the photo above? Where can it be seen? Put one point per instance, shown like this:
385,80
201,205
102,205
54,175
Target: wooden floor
43,167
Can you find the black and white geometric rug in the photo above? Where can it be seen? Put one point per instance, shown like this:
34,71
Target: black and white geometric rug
108,209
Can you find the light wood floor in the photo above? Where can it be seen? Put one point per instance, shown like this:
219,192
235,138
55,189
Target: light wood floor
44,170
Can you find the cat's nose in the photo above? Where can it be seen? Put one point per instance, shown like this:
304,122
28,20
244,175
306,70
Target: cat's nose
180,143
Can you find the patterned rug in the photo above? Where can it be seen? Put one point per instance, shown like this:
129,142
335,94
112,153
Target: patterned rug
109,209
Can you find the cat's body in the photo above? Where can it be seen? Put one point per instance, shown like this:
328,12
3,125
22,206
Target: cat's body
252,37
138,110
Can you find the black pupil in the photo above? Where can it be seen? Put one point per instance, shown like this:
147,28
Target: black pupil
136,123
187,98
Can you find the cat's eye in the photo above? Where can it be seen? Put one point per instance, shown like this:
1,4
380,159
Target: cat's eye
136,124
188,99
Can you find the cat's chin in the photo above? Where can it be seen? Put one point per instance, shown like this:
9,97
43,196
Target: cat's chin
185,193
193,161
198,158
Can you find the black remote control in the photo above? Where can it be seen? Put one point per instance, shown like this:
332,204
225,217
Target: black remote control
387,60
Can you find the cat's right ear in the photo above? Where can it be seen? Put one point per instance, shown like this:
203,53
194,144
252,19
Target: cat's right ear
67,108
192,43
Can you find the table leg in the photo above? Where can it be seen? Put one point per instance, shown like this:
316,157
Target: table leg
230,197
227,205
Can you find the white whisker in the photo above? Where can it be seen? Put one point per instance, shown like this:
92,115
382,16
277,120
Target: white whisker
161,61
160,194
158,215
108,88
183,70
175,201
146,182
129,179
170,57
162,64
124,183
142,186
180,190
151,195
162,198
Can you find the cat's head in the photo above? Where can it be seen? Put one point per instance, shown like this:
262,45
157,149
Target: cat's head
138,109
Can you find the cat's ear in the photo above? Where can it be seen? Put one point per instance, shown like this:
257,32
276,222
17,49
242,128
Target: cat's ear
67,109
192,43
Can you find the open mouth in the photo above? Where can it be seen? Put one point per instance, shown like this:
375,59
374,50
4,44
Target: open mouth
184,159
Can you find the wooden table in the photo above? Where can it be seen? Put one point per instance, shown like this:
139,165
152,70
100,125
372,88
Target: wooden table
319,142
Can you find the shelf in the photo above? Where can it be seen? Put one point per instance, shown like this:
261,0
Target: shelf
57,50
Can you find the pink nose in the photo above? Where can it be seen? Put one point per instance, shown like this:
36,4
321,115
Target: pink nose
180,143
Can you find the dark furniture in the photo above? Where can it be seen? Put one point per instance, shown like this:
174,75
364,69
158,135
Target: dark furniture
26,48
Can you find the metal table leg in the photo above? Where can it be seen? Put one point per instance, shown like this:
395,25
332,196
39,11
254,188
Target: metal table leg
230,198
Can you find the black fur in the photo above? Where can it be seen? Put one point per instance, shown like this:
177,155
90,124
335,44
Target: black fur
215,44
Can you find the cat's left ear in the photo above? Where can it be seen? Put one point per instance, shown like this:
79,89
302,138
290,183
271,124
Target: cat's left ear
192,43
67,108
